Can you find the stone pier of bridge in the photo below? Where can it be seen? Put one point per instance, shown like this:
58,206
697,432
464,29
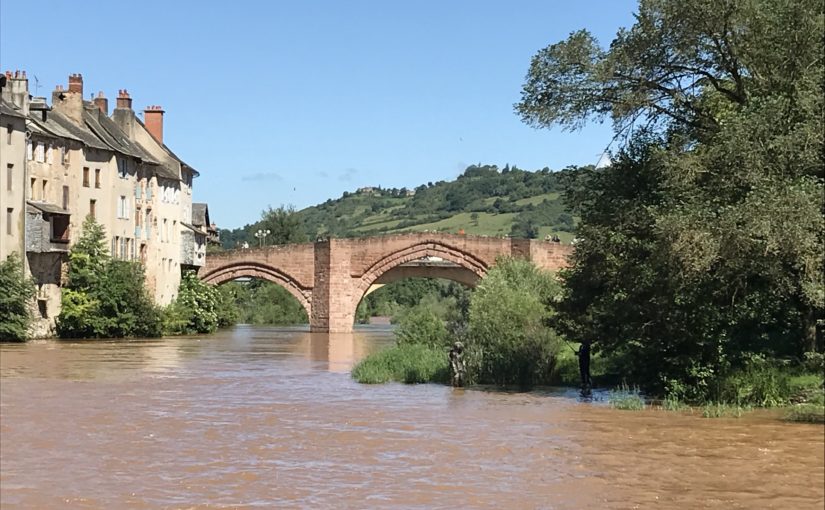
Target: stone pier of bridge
329,278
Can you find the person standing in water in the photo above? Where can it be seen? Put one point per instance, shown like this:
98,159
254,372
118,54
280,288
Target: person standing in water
584,364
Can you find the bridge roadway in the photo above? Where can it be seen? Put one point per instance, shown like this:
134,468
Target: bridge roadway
329,278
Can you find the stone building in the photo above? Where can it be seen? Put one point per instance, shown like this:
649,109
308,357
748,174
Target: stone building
71,160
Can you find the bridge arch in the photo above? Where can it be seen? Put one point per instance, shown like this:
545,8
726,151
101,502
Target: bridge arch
428,248
237,270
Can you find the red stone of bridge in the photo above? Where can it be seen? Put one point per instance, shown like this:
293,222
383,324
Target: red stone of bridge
329,278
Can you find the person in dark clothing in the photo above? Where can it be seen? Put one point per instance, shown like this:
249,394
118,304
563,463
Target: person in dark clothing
584,364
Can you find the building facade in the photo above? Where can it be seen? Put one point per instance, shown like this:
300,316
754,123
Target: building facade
73,159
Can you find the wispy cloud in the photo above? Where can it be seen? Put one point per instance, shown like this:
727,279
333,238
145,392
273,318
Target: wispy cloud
348,175
262,176
322,174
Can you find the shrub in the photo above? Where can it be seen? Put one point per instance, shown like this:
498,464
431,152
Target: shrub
508,341
14,299
194,309
421,325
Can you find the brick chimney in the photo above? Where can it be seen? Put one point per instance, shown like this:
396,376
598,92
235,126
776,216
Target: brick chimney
153,118
102,103
70,102
76,83
124,101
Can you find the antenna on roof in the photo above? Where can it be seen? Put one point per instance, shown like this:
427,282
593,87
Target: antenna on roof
36,85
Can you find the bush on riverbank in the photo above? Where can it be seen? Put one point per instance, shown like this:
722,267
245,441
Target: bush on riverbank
15,299
198,308
104,298
407,363
507,339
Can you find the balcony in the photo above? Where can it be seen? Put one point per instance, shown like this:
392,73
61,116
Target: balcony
47,228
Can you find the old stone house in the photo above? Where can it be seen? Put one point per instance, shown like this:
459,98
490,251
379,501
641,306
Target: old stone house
70,160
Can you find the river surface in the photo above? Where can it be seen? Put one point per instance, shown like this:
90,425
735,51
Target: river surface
269,418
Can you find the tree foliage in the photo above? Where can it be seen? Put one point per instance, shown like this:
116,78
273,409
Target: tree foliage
196,309
703,243
104,298
508,341
15,298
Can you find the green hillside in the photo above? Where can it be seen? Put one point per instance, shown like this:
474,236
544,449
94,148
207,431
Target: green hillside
484,200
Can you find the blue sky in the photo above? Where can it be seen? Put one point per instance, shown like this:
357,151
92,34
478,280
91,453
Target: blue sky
296,102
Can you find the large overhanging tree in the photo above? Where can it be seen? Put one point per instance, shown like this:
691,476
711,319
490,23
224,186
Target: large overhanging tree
704,242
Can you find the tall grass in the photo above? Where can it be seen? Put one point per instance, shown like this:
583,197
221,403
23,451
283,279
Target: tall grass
626,399
407,363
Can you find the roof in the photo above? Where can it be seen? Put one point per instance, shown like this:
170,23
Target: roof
193,228
10,110
168,150
48,208
200,214
77,132
112,135
49,127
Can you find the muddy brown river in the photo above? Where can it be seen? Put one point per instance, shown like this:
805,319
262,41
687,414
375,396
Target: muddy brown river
269,418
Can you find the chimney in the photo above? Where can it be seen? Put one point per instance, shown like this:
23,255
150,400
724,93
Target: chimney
102,103
70,102
124,101
16,90
76,83
153,118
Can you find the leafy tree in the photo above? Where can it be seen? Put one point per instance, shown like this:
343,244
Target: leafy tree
284,226
103,297
703,244
15,298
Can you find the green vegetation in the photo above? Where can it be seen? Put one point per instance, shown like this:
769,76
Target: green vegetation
503,328
104,298
702,244
484,200
198,308
507,339
626,399
261,302
18,291
724,410
407,363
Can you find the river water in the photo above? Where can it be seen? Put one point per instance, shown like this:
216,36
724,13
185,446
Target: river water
269,418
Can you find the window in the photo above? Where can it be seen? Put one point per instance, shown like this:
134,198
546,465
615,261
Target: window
122,208
121,167
49,158
29,154
60,228
92,208
123,247
45,190
9,176
114,246
85,177
9,220
66,198
40,153
174,230
32,188
64,156
97,178
9,131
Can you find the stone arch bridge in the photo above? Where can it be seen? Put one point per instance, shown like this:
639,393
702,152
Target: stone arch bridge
329,278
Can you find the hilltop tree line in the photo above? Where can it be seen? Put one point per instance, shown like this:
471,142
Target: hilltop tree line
480,191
